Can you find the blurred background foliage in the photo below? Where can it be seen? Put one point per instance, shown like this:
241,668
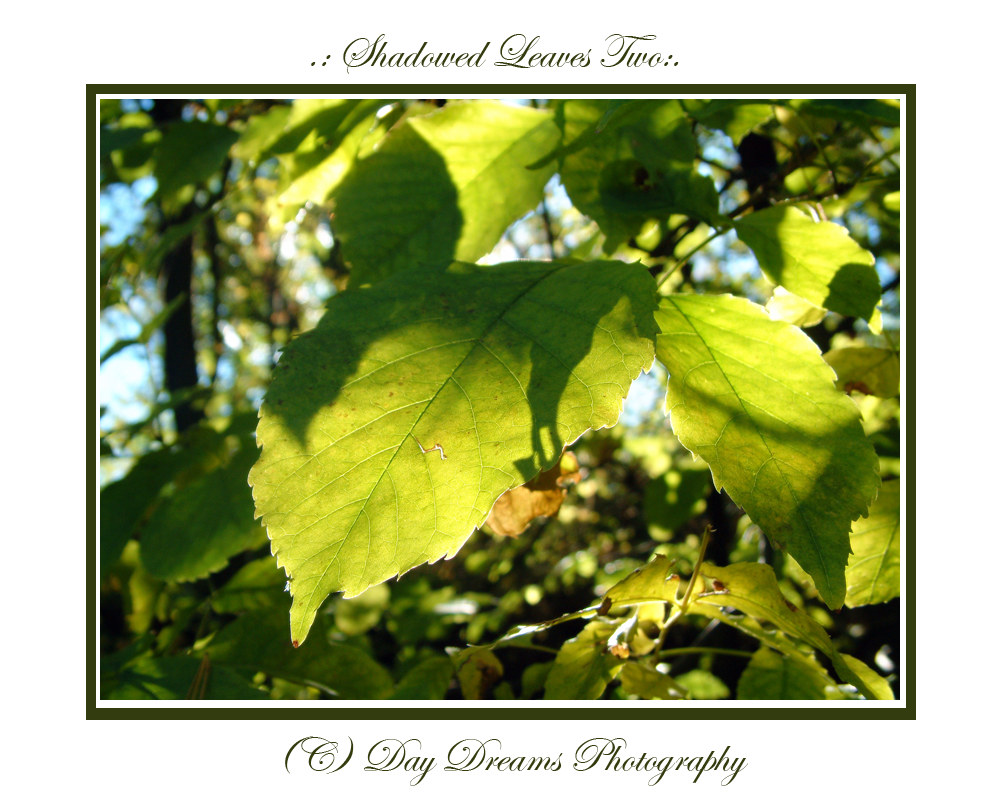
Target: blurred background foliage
219,242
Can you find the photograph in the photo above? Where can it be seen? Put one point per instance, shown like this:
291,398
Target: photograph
578,398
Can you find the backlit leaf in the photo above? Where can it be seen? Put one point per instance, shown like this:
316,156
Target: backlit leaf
190,152
442,186
391,429
818,261
755,399
873,569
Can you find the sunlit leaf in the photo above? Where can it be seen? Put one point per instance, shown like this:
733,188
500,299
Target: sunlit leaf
873,569
818,261
787,307
391,429
755,399
442,186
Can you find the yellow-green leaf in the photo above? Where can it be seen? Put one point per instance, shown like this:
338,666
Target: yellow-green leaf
442,186
873,569
754,398
391,429
818,261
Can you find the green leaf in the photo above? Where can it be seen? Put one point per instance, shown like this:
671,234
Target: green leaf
818,261
872,685
255,586
478,669
255,641
391,428
644,681
755,399
583,667
429,680
176,678
585,132
126,502
871,370
318,177
772,676
857,112
442,186
195,531
533,679
873,568
787,307
190,153
643,170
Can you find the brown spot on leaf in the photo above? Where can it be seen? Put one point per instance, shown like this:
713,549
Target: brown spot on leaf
605,607
295,642
540,497
619,650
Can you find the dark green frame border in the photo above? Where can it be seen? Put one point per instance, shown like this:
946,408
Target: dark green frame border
607,711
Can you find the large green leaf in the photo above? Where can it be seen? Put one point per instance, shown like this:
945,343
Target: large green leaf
772,676
873,569
442,186
754,398
255,641
391,429
872,370
584,667
818,261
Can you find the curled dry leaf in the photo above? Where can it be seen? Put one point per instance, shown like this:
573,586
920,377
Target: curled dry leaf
540,497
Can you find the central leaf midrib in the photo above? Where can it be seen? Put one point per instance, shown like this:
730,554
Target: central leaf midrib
385,471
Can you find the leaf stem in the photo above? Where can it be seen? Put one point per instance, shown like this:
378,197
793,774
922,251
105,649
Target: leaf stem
685,259
722,651
681,608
